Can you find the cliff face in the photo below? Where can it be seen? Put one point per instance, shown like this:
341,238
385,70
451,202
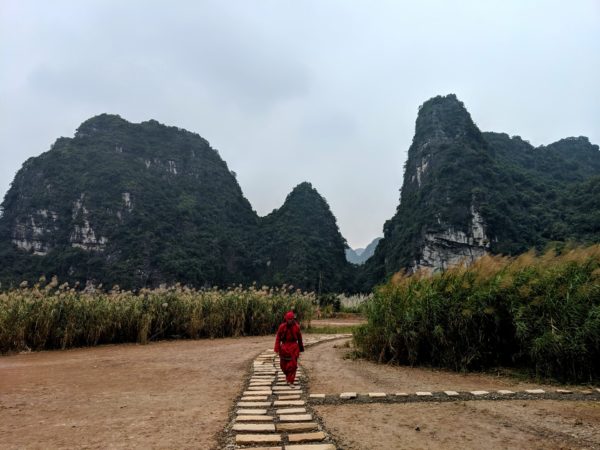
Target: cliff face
466,193
438,222
144,204
134,203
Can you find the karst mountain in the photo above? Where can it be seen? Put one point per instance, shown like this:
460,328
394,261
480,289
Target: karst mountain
144,204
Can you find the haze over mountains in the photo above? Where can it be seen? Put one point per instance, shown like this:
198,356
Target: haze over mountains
360,255
144,204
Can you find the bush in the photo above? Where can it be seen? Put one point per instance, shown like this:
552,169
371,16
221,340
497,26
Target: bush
541,313
51,316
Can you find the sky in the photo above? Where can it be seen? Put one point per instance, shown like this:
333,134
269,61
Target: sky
325,91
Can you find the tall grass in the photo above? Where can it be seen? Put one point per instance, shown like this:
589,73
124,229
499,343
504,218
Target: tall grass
541,313
51,316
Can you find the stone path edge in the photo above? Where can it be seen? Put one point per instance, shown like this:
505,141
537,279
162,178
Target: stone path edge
334,399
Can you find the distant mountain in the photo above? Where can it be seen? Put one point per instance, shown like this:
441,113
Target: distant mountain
467,193
358,256
301,244
145,204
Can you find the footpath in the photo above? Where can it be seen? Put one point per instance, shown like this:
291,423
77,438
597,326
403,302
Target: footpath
270,415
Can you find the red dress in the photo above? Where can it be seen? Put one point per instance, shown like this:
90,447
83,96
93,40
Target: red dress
288,344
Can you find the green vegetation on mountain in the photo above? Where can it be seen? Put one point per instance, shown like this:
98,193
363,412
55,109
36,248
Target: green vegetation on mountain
301,244
144,204
467,193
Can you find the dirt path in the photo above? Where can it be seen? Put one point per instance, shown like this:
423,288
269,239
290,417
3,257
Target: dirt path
475,424
180,394
327,364
162,395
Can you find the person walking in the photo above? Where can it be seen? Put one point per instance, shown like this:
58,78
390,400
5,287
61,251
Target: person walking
288,344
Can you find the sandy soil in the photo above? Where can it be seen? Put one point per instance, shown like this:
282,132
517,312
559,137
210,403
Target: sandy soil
331,372
457,425
162,395
179,395
542,424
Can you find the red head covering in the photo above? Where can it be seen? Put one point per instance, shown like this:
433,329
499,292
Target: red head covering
289,315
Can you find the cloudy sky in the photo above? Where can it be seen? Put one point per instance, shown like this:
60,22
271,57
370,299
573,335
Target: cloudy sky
290,90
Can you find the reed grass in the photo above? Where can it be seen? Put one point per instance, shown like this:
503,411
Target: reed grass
537,312
49,316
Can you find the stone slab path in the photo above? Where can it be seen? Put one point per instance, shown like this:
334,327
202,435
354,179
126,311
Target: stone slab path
270,415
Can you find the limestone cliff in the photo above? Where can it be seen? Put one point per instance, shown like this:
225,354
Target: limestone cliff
466,193
438,224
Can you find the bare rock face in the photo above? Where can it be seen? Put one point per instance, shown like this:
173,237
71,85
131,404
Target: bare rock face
439,222
31,232
132,204
83,235
448,248
144,204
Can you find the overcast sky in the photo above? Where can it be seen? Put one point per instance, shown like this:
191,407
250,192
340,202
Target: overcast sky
293,90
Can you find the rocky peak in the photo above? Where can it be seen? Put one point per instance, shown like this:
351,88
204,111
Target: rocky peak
101,124
443,118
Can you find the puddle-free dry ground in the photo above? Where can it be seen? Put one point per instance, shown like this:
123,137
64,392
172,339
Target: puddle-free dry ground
178,395
511,424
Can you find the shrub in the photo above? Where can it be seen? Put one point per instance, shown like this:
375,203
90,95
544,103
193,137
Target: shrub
541,313
51,316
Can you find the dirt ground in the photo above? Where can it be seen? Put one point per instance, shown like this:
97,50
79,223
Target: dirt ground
162,395
331,372
179,394
540,424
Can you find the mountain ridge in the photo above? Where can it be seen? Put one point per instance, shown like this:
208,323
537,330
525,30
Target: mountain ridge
135,205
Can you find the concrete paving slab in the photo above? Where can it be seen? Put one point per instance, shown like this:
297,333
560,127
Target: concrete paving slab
347,395
253,404
257,438
256,418
424,394
295,417
263,448
306,437
310,447
251,411
478,393
254,427
290,411
297,426
535,391
288,403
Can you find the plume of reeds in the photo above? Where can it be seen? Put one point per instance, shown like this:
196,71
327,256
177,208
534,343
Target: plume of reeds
541,313
48,316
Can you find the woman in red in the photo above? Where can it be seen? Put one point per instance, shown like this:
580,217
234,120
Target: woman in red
288,344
